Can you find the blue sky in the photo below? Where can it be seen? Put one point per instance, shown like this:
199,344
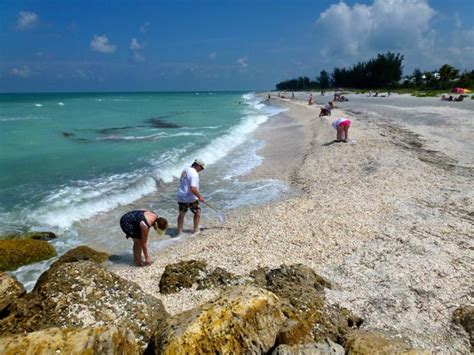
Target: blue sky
85,45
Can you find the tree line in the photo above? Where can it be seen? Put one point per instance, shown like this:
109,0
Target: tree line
383,71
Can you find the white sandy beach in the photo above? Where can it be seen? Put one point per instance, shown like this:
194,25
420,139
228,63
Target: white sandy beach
388,219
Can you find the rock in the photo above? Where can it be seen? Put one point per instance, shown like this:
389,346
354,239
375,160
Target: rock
16,253
185,274
368,343
30,235
216,278
82,253
242,320
82,294
464,316
10,289
325,348
299,284
100,340
181,275
302,293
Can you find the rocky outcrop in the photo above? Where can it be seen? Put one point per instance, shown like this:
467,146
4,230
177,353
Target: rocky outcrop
464,316
30,235
83,253
100,340
325,348
80,253
368,343
186,274
10,290
243,319
16,253
82,294
302,294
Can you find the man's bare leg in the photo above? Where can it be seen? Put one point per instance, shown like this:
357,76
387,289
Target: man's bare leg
196,220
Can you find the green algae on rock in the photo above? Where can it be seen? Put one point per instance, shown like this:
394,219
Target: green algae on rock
30,235
82,253
100,340
16,253
185,274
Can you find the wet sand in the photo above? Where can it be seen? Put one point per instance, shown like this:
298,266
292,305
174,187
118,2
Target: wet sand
387,219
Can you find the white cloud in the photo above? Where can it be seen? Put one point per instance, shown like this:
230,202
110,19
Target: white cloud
101,44
26,20
360,30
212,55
137,57
144,27
135,45
242,62
23,72
136,48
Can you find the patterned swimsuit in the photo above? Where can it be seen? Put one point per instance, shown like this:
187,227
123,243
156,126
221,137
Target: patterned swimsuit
130,223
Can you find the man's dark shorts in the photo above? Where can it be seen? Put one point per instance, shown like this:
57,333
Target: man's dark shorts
193,206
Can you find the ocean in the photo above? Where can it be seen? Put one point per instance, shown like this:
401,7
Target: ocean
74,163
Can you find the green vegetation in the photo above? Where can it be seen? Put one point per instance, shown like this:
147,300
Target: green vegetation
384,73
16,253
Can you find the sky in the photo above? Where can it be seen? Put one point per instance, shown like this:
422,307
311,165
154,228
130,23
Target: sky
189,45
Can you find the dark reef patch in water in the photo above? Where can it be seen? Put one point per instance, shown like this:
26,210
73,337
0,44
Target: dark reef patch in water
158,122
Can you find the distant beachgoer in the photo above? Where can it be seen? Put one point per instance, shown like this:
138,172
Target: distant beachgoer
326,110
189,196
376,94
268,98
137,225
322,92
342,125
292,95
310,101
459,98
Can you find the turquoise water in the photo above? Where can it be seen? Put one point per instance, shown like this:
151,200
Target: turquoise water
74,163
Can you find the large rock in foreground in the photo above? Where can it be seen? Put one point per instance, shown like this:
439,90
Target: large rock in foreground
101,340
82,294
10,290
16,253
310,319
242,320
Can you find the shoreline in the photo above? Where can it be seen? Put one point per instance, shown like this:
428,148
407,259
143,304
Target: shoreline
384,218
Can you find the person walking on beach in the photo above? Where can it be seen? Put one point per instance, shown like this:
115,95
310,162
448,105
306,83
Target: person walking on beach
137,225
189,196
342,125
310,101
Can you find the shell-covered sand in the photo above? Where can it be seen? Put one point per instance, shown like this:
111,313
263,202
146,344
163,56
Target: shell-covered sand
385,218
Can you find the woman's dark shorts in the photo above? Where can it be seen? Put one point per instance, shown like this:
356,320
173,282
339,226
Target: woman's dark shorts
193,206
130,224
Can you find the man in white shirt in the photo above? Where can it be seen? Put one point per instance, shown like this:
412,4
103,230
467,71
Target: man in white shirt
188,194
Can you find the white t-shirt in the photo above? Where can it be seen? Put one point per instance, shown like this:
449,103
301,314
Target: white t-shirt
189,177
